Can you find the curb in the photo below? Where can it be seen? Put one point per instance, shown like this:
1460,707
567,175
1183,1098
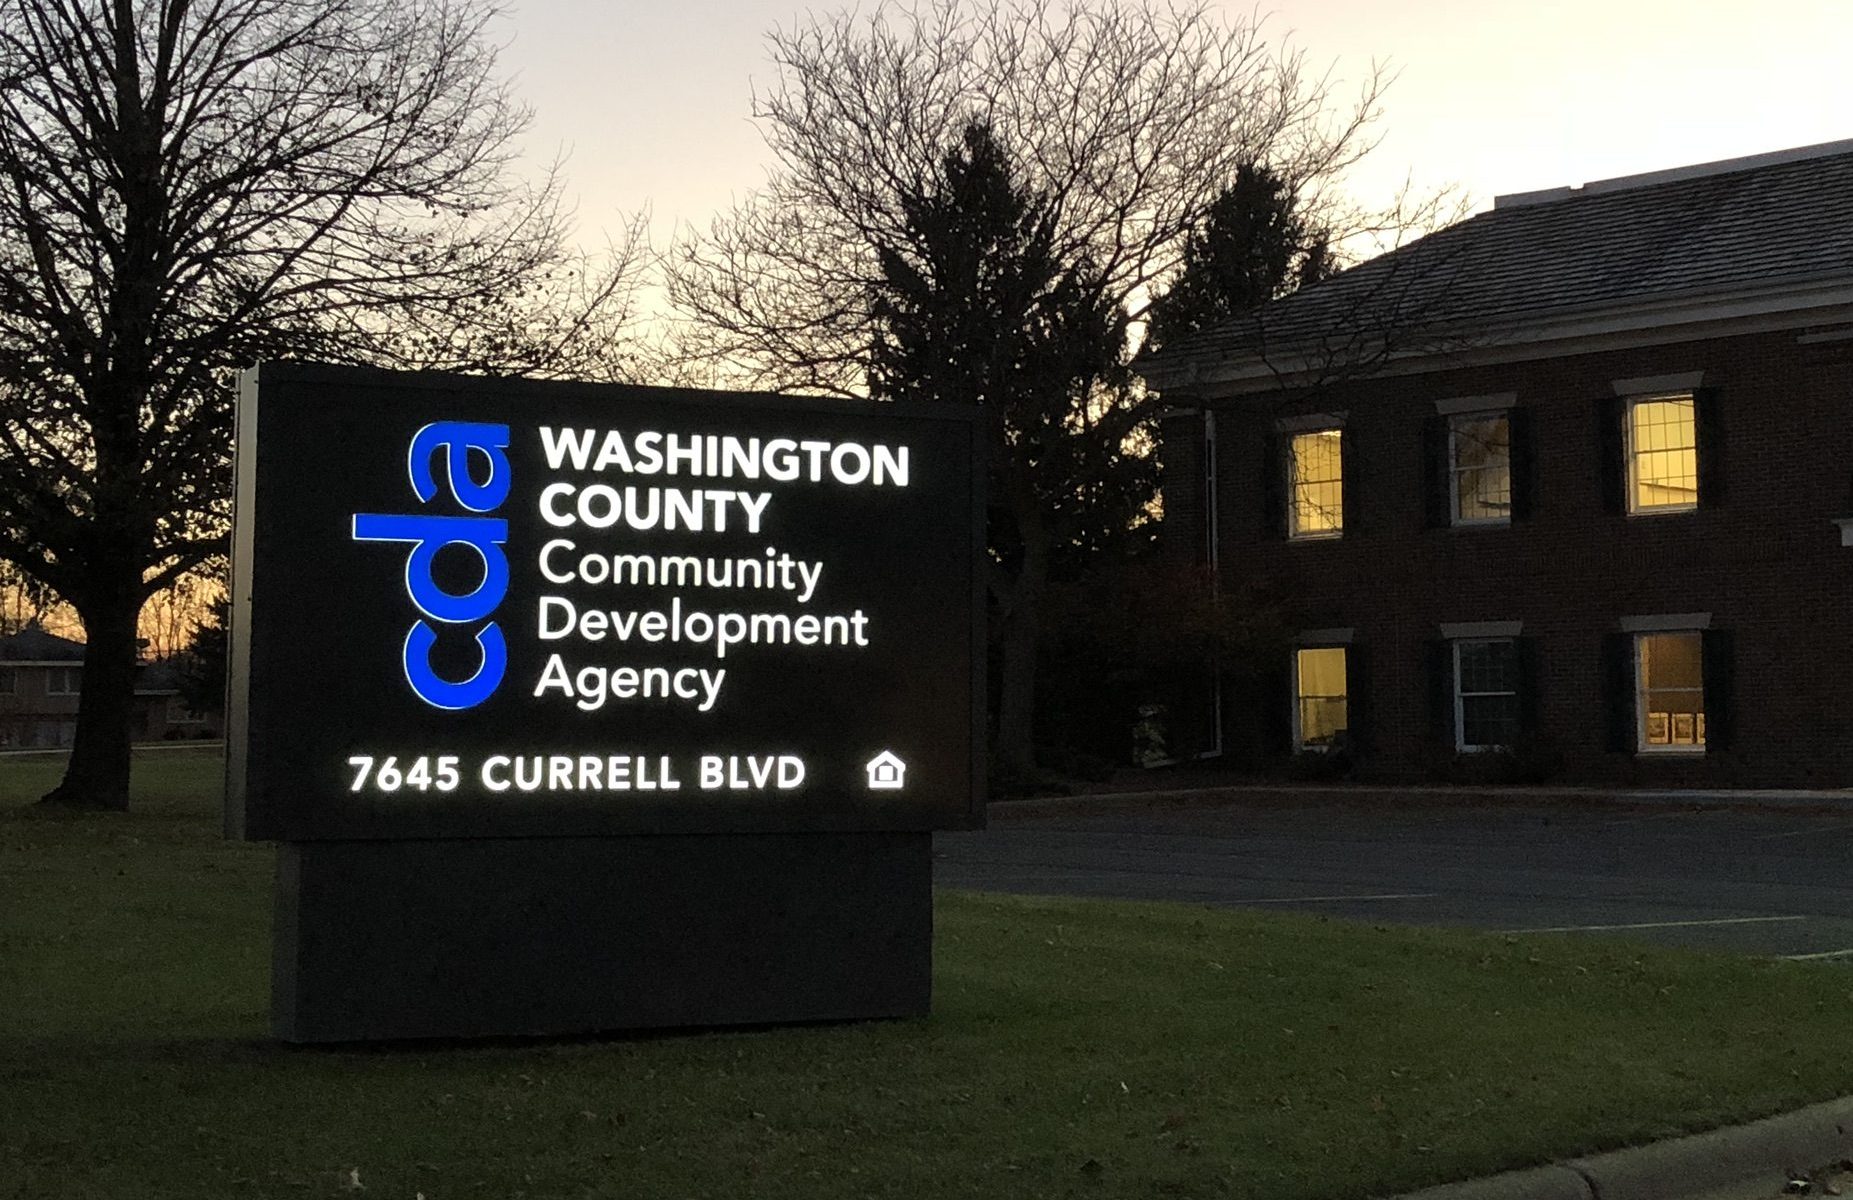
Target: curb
1762,1155
1793,800
216,745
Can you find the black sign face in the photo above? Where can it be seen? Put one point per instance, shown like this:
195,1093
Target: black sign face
476,608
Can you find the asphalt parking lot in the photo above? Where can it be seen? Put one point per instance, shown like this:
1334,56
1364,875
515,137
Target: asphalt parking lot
1757,881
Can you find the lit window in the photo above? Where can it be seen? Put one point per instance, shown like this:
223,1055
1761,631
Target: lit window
1485,694
1319,687
64,681
1318,503
1480,463
1670,690
1663,457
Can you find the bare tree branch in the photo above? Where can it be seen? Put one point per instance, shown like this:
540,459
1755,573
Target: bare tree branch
188,186
1130,117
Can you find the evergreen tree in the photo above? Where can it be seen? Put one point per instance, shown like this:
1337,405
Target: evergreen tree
976,306
202,667
1252,246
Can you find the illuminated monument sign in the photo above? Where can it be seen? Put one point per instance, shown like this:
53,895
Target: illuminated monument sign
556,677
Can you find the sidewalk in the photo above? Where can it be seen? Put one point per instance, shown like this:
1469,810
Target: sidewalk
1745,1162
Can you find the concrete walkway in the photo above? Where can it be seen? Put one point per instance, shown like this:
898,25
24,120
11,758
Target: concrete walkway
1745,1162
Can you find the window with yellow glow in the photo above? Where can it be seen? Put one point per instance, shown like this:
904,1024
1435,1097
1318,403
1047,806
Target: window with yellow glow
1663,456
1670,683
1318,493
1319,685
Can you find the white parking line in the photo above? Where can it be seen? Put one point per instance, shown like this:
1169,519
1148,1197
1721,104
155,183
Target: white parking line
1836,827
1822,954
1321,899
1655,925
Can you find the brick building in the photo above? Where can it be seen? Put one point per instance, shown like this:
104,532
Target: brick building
1569,479
41,681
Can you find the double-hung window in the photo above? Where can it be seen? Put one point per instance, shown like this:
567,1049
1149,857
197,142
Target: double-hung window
1486,693
64,681
1662,453
1316,478
1669,691
1480,468
1321,697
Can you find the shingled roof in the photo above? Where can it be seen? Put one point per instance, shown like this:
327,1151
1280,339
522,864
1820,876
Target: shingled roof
1774,222
33,644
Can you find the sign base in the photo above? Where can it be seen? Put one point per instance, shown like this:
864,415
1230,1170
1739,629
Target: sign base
384,940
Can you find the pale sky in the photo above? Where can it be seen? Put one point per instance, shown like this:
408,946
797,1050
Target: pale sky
652,97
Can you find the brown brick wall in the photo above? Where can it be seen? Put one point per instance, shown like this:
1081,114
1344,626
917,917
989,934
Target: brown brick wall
1188,720
1765,562
1180,440
30,715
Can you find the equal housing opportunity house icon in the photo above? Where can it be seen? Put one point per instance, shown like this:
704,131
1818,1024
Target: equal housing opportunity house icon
887,772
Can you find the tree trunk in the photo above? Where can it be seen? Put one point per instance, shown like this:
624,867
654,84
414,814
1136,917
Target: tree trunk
1016,703
1017,646
98,773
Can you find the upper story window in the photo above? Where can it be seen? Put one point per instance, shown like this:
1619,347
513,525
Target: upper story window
9,681
1477,462
1480,468
1662,454
1316,473
64,681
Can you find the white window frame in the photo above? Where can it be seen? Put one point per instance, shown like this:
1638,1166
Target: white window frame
1300,745
1641,744
1455,471
1631,476
1212,501
1294,532
65,681
1460,695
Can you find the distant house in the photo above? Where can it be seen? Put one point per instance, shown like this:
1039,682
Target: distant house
1568,478
41,677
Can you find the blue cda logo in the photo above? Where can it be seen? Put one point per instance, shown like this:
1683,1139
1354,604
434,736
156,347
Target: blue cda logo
429,535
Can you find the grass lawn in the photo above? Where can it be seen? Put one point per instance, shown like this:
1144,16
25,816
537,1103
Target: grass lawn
1075,1049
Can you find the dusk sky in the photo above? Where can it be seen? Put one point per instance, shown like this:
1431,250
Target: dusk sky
652,97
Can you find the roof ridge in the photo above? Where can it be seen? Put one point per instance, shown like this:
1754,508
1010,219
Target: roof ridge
1770,226
1723,166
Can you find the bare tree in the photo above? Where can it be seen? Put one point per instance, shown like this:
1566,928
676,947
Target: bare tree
23,599
1124,118
187,186
1130,117
170,615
